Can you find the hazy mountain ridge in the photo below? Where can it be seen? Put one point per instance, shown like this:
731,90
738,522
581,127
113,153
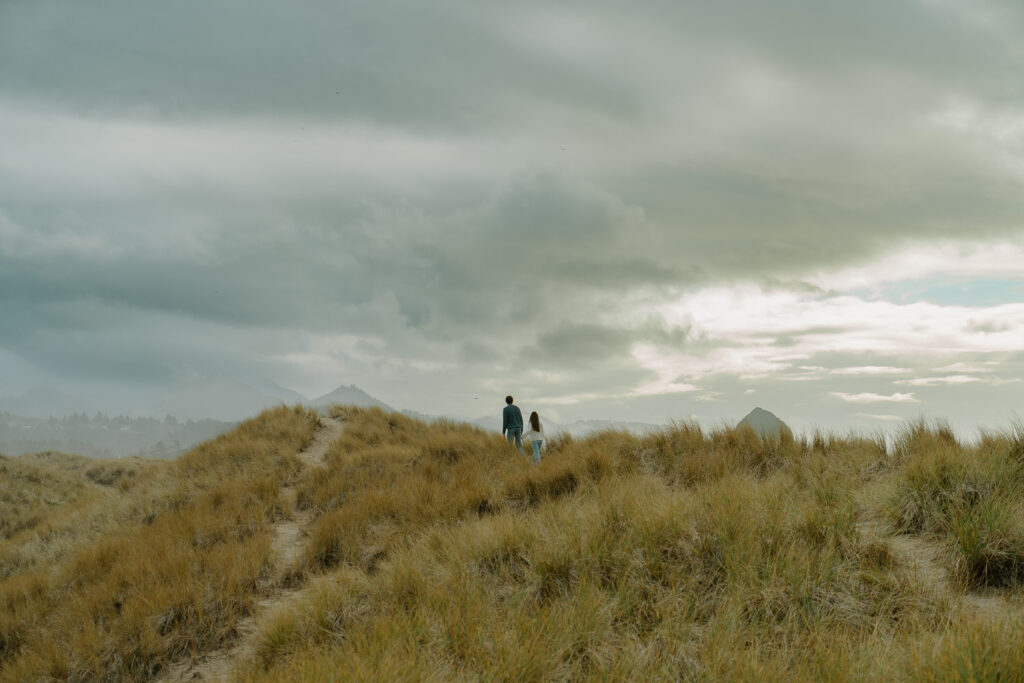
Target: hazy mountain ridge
100,436
348,395
43,402
193,411
576,428
216,397
221,398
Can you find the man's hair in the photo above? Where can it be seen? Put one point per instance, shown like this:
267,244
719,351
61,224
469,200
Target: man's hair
508,399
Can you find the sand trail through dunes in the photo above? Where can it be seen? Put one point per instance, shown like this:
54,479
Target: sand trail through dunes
286,547
928,561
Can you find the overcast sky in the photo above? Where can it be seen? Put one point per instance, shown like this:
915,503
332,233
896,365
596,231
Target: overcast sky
640,211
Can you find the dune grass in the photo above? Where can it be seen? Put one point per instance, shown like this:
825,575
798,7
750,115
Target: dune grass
971,499
38,487
683,554
435,552
173,581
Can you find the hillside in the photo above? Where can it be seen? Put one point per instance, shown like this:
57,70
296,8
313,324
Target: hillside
370,546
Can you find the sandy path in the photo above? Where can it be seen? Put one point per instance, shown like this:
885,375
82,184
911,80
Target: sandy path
927,561
286,546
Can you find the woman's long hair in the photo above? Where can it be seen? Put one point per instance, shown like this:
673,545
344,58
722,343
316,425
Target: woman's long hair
535,421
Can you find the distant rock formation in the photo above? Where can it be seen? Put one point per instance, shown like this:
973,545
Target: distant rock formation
765,424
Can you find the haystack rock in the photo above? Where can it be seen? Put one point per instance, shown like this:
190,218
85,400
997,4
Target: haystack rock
766,424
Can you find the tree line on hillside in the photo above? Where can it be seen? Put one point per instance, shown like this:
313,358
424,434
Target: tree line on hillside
102,436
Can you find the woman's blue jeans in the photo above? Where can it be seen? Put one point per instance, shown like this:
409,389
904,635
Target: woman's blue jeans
536,450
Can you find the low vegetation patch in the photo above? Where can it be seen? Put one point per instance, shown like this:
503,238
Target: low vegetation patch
969,498
40,487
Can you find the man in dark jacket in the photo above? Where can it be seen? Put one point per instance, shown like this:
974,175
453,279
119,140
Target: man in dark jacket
512,424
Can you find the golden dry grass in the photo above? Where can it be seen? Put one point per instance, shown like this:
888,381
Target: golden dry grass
175,566
38,486
438,553
682,554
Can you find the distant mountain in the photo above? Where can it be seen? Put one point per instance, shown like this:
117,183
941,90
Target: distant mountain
584,427
423,417
100,436
42,402
163,424
490,422
286,395
226,398
765,423
219,398
350,395
216,397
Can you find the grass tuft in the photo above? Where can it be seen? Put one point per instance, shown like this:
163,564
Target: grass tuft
974,652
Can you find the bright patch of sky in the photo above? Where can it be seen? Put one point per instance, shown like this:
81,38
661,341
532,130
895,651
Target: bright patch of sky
860,346
956,291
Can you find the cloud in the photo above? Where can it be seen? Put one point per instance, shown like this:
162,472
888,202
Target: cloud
965,258
18,242
806,323
870,370
875,398
961,367
585,346
881,417
662,203
936,381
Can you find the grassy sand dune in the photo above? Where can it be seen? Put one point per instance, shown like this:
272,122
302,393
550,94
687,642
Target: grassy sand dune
433,552
165,570
39,486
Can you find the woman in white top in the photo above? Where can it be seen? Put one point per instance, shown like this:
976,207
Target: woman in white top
535,435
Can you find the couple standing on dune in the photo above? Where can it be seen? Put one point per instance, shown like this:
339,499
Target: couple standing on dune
512,428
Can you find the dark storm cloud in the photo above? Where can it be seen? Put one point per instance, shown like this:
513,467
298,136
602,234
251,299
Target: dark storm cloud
574,346
386,60
473,186
812,118
422,65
